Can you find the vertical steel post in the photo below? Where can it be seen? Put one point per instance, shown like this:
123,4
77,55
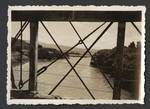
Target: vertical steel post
137,72
119,60
33,57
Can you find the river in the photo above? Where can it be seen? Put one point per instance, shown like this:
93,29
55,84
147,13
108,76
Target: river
71,87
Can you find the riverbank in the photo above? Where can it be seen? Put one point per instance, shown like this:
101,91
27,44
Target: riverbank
105,61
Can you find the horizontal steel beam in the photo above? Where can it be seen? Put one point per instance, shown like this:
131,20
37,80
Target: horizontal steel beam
86,16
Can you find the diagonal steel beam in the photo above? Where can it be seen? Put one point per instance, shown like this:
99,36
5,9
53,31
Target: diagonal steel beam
136,28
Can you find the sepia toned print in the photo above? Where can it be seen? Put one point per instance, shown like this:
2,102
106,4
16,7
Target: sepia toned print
76,55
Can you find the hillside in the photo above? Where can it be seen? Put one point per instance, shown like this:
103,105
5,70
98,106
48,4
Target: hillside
43,53
75,51
105,61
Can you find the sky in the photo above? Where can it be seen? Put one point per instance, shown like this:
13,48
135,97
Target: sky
65,35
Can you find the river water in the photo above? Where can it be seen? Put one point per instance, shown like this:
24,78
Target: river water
71,87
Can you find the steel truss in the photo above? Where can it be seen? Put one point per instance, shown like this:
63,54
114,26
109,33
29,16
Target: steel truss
81,41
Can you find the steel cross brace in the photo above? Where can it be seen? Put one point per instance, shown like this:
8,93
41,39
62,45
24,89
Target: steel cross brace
89,51
81,57
44,68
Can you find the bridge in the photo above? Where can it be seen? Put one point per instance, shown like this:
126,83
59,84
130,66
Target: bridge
35,17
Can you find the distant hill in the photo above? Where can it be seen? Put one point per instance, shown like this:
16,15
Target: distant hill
76,50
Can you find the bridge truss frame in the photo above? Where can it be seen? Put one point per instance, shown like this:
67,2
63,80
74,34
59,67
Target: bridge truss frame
34,17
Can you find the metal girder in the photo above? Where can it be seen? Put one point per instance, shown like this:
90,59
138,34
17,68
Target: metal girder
119,60
33,59
89,16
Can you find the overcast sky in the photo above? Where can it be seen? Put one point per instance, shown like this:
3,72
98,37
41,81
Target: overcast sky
65,35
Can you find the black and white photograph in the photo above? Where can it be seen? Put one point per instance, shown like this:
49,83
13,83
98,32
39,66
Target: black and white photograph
75,54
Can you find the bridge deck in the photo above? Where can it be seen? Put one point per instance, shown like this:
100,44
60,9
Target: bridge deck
93,16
